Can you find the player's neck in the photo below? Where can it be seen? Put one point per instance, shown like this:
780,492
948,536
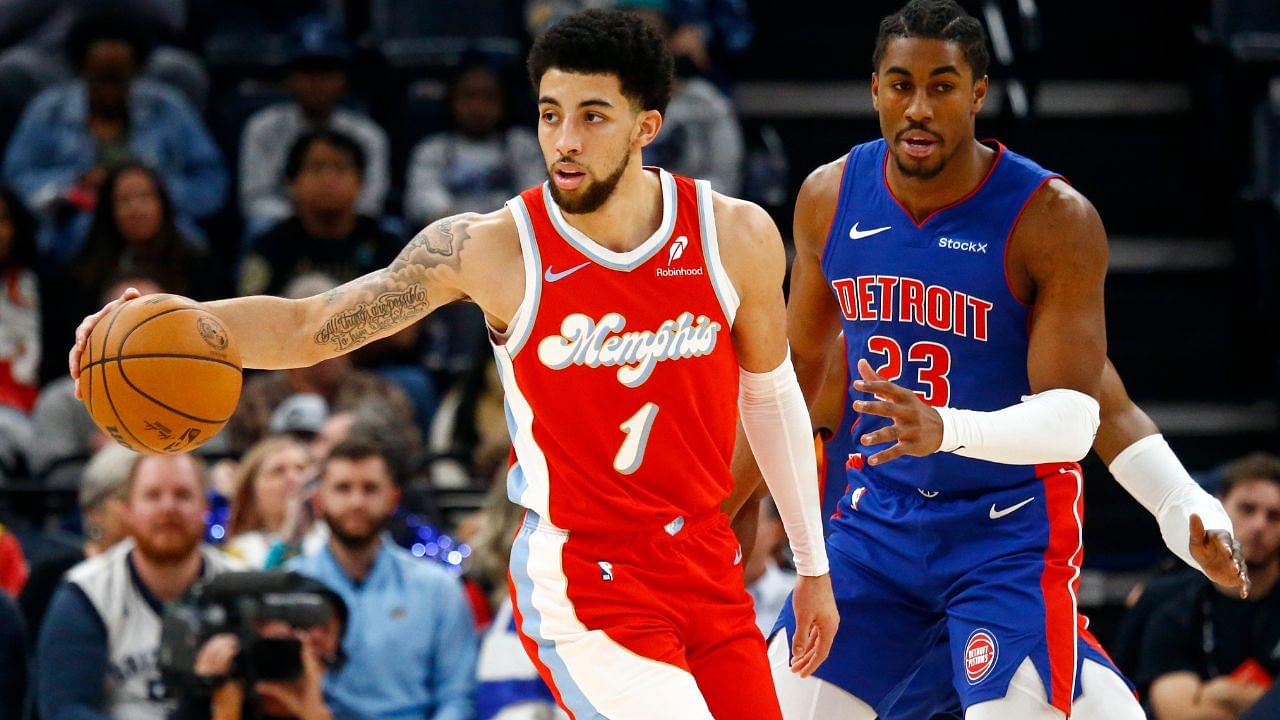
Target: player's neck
963,173
168,581
631,214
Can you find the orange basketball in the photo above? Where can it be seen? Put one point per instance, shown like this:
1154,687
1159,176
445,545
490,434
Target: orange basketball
160,374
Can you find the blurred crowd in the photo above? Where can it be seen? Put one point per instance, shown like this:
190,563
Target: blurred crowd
218,147
140,152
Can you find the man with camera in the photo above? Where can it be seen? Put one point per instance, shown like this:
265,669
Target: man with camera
265,640
97,655
411,646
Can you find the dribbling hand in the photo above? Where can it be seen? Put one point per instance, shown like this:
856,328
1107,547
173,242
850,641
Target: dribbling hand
1220,556
916,427
86,328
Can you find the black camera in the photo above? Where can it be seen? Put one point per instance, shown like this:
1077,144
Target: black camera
237,603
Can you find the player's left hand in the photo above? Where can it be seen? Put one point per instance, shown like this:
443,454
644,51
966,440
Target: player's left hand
916,427
1220,556
816,623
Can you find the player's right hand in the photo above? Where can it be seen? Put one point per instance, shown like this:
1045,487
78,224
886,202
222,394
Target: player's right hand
86,328
1220,556
816,622
916,429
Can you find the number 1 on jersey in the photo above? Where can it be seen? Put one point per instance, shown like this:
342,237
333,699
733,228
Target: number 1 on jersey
637,428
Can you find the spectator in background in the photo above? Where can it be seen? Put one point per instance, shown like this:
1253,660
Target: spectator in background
20,340
97,653
768,582
411,648
469,442
135,233
1207,652
301,698
64,435
325,234
73,134
338,381
700,135
13,659
102,512
317,82
266,506
479,164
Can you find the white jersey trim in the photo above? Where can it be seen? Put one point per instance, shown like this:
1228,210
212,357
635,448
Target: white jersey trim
623,261
528,481
725,291
522,321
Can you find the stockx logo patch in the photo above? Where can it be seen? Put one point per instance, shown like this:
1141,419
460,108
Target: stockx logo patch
947,243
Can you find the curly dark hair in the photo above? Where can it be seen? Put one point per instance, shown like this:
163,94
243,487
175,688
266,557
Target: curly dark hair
613,42
936,20
102,24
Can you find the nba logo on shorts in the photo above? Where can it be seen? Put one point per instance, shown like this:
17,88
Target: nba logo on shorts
980,654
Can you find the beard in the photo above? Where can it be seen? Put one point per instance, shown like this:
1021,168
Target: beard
594,193
917,170
355,538
920,172
168,545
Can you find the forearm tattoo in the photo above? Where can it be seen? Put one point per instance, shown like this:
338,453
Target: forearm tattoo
398,294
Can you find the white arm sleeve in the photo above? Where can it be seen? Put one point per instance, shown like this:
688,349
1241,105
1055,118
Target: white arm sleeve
1150,472
776,421
1056,425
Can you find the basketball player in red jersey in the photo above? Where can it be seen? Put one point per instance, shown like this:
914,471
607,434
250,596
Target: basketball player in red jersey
634,316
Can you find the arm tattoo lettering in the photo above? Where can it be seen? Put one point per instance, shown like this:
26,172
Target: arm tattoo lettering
355,325
396,295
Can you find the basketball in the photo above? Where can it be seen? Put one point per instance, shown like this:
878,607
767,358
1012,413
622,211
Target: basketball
160,374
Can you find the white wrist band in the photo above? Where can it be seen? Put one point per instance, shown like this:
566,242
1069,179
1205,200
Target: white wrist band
1150,472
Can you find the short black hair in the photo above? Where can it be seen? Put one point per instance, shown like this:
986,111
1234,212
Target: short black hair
359,447
1255,466
104,25
936,20
612,42
342,141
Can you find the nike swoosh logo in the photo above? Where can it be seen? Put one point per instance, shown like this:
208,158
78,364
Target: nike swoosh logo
553,276
856,234
997,514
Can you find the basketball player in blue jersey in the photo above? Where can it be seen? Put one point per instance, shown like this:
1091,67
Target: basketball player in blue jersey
1128,442
972,278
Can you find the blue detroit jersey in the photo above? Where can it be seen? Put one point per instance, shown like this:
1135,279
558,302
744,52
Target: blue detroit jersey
929,306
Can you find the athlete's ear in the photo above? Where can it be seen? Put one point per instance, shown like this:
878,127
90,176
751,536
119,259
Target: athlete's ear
648,123
980,93
875,90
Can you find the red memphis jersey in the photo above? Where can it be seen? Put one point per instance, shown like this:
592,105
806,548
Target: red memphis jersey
620,375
